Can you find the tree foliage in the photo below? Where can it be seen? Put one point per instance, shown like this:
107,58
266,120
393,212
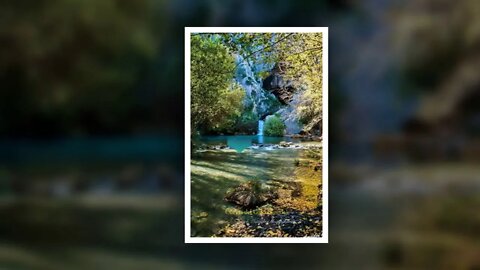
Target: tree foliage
216,101
274,126
303,55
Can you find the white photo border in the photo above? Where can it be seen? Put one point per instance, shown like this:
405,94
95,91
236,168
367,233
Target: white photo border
324,238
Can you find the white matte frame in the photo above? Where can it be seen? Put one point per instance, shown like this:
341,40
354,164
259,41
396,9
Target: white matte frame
324,238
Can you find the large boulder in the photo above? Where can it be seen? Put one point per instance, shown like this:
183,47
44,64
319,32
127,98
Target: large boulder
249,195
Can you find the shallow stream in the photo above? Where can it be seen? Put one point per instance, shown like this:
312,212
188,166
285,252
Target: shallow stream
214,172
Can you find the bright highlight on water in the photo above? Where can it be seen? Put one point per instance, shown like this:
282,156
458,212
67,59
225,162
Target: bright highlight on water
260,128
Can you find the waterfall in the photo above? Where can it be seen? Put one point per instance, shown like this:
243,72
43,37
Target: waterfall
260,128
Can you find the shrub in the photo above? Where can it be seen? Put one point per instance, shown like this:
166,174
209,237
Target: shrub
274,126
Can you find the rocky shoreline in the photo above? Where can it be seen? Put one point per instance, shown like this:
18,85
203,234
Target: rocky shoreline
260,146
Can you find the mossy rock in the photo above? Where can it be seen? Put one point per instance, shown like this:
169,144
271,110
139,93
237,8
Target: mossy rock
250,195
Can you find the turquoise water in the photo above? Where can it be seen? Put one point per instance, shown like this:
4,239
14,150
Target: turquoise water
241,142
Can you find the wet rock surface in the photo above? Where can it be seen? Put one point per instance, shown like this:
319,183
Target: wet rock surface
283,145
206,147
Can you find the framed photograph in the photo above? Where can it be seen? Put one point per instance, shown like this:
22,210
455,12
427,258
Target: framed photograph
256,135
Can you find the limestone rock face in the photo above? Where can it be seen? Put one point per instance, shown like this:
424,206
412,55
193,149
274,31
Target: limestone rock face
256,98
288,94
278,86
289,116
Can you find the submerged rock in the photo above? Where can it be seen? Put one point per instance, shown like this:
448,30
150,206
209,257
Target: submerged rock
202,215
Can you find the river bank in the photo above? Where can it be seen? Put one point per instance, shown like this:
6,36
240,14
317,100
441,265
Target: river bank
291,171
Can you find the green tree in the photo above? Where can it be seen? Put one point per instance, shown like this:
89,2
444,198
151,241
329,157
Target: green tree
229,109
274,126
216,101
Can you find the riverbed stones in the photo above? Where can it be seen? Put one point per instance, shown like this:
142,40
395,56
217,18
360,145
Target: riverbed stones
286,144
206,147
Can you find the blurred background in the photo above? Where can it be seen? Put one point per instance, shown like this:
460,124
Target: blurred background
91,134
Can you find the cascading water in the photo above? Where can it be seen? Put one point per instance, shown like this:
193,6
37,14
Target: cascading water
260,128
